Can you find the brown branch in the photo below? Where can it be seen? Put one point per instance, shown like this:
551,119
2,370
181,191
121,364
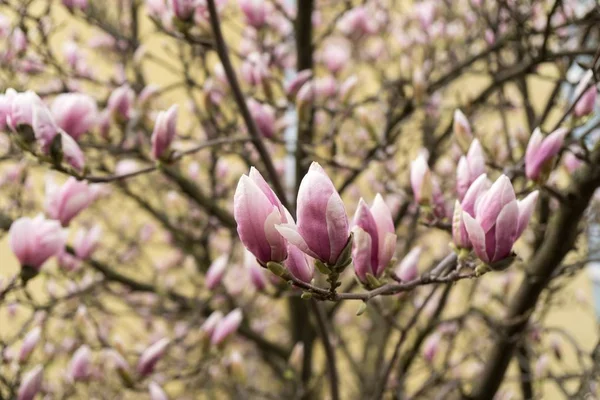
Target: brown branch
240,100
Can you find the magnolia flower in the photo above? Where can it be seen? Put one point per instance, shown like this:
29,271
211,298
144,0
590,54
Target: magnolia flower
255,12
31,383
407,270
292,87
226,327
79,366
209,325
156,392
322,228
21,108
298,265
255,68
470,167
425,186
586,103
216,271
264,116
165,130
459,231
65,202
29,343
431,347
35,240
257,211
336,56
75,113
540,151
75,4
151,356
120,102
183,9
499,221
374,239
357,22
86,241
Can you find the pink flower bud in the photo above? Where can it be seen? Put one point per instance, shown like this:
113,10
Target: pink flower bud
470,167
147,93
347,88
18,41
215,272
86,241
292,87
29,342
65,202
75,113
571,159
336,55
462,130
156,392
79,366
75,4
227,326
31,383
67,261
298,265
499,220
257,275
72,152
264,116
408,270
421,180
183,9
255,69
120,102
257,210
156,8
208,327
540,151
35,240
325,88
425,12
357,23
44,126
151,356
6,101
322,229
255,12
542,365
21,108
586,103
374,238
165,129
431,347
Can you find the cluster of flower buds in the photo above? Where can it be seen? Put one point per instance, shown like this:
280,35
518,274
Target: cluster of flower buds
31,121
217,327
321,235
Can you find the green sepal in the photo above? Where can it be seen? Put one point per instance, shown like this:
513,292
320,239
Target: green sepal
361,308
345,257
306,296
503,264
276,268
373,282
324,269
